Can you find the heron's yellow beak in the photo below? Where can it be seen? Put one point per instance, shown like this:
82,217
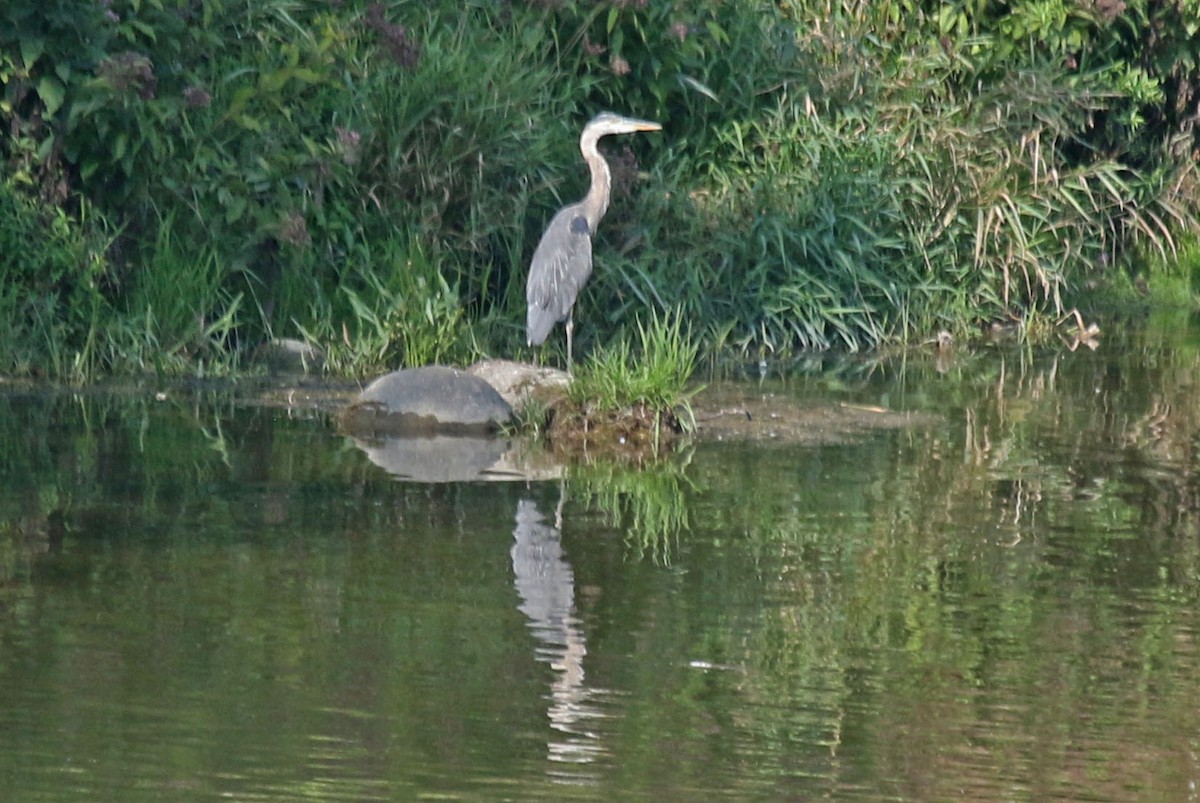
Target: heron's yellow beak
646,125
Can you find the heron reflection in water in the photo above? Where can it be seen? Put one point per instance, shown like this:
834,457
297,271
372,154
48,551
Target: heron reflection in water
562,262
545,582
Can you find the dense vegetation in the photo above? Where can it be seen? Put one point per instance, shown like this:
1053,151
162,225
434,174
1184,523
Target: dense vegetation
183,179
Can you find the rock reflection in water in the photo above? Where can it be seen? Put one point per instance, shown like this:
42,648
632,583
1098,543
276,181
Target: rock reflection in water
456,458
437,458
546,584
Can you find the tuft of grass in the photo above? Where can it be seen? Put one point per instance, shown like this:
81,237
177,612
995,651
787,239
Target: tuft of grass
529,419
178,316
402,313
655,376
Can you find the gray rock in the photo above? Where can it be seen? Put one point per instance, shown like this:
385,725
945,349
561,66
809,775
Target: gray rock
426,400
518,382
290,355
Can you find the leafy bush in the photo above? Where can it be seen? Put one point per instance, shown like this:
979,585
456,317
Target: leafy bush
47,49
50,289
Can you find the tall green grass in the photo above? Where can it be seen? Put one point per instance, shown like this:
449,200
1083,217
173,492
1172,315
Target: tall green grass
656,374
851,210
179,315
403,314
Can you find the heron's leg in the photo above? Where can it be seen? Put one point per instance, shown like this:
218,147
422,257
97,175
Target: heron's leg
570,331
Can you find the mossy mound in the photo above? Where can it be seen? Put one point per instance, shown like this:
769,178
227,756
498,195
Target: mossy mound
629,434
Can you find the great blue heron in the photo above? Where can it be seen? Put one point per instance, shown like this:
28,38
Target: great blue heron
562,262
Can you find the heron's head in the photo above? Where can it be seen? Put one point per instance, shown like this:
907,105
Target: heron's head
606,123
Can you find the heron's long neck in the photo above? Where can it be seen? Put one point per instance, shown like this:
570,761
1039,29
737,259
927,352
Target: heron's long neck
595,203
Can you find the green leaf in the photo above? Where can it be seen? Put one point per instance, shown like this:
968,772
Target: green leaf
52,93
31,50
44,148
717,33
235,209
307,76
145,30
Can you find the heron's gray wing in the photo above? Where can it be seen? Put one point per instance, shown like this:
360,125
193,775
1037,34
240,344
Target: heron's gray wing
561,266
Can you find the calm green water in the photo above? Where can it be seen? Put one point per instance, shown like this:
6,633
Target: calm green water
201,597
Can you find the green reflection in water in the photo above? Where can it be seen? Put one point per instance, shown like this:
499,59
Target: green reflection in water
202,598
649,505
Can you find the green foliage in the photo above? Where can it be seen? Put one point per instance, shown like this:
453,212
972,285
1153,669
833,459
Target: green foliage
656,375
452,150
46,50
406,317
652,59
51,272
830,174
179,315
871,189
285,137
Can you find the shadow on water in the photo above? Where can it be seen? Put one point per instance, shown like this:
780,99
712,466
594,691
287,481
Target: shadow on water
996,597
